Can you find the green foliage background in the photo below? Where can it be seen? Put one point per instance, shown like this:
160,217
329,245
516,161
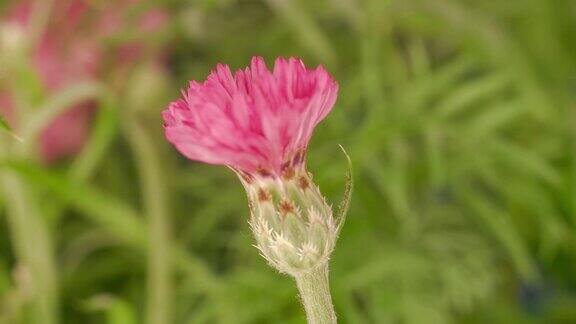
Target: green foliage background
459,117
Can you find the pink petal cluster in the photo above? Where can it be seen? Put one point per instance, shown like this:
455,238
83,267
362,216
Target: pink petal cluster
255,121
70,50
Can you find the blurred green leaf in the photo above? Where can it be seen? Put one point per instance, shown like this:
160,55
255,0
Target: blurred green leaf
105,128
6,127
112,214
503,230
117,311
471,92
4,124
306,28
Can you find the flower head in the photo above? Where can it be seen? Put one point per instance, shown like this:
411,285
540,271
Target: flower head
259,123
254,120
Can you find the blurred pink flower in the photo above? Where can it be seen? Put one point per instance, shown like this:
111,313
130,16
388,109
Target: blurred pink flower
133,50
59,59
255,121
119,17
72,49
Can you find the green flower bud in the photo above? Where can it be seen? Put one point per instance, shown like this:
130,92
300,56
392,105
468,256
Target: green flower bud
294,226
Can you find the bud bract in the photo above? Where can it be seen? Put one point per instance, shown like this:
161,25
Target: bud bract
294,226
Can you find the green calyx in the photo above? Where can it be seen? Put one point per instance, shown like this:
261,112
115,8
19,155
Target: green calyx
293,224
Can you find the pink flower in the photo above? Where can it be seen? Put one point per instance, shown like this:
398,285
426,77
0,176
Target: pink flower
67,134
60,58
255,120
72,49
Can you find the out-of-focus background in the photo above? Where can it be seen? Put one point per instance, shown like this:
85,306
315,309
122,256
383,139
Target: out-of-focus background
459,117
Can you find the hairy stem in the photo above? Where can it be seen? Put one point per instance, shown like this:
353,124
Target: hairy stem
315,294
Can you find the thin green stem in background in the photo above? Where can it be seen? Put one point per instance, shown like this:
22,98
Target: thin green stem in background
159,293
160,252
315,294
33,248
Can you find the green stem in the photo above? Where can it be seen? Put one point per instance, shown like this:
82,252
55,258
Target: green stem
160,248
159,293
33,247
315,294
